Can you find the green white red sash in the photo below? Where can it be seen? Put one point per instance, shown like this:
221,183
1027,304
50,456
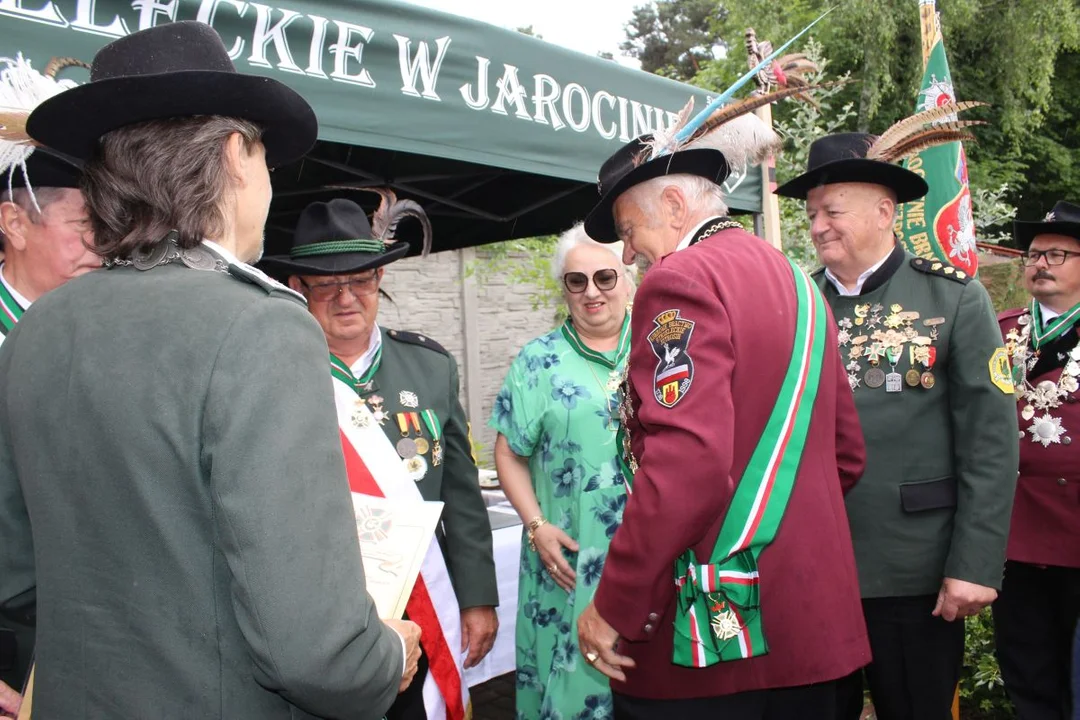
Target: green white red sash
374,468
718,611
1041,333
340,370
10,311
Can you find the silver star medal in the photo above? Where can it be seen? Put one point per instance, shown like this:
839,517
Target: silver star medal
1046,429
843,337
853,380
361,416
408,399
725,625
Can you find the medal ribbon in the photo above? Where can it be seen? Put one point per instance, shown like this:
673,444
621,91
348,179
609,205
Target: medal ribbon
434,426
10,311
718,609
1043,334
579,346
340,370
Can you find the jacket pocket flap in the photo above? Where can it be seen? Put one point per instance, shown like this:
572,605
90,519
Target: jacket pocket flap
928,494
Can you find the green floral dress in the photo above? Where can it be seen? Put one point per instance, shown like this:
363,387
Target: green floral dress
558,408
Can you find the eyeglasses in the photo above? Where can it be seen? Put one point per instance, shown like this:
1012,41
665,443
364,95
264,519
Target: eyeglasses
1052,256
578,282
325,292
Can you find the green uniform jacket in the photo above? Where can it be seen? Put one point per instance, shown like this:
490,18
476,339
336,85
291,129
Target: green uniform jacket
172,435
941,463
418,365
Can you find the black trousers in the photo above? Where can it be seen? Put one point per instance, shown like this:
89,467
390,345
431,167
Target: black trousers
916,662
807,702
409,705
1034,621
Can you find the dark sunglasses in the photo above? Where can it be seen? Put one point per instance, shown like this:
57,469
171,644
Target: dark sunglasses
577,282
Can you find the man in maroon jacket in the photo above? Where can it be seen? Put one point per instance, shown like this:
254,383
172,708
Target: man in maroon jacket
1035,615
718,599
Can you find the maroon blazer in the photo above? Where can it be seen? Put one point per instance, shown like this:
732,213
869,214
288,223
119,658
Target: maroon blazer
1045,526
740,294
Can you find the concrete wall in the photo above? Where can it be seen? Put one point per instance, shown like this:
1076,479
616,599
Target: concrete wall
484,322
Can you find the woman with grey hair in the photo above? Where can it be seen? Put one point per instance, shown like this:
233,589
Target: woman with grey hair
558,462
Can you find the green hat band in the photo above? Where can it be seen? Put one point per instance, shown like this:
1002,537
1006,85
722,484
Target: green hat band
332,247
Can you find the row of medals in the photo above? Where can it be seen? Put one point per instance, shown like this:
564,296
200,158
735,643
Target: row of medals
410,449
1047,395
893,331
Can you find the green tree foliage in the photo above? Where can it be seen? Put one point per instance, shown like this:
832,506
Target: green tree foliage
674,38
1021,56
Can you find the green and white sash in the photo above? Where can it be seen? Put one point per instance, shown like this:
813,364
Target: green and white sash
341,370
718,613
570,334
1044,333
10,311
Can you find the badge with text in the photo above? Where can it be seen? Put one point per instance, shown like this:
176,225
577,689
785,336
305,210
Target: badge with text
670,341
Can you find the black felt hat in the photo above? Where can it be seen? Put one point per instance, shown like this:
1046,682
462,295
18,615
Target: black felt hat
44,168
177,69
841,158
333,238
1064,219
620,172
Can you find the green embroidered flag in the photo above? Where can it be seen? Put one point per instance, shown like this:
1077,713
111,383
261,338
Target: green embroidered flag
939,226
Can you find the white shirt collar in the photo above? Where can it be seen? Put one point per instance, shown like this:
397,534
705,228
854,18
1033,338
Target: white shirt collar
364,362
1047,313
23,302
225,254
840,289
685,242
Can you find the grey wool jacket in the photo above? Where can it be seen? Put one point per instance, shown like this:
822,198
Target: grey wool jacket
173,497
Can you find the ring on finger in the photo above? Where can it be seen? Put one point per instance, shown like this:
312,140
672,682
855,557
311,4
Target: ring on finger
553,569
591,657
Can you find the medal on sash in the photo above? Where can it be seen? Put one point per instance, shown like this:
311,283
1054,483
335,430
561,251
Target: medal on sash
434,426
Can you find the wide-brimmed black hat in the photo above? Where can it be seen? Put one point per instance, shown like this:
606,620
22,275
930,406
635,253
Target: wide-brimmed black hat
173,70
333,238
620,172
1064,219
841,158
44,168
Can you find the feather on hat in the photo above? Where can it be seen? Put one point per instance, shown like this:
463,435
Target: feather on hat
21,158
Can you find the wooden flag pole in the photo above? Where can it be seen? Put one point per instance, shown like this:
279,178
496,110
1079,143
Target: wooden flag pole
770,203
930,30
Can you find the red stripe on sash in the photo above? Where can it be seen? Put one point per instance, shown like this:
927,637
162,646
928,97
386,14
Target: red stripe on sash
770,482
419,608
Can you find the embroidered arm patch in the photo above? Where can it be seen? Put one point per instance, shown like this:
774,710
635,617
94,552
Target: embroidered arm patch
670,341
1000,372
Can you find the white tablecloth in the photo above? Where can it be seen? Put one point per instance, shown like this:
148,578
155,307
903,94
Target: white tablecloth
507,544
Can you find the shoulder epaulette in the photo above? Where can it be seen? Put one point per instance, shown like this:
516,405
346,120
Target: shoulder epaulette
264,281
417,339
941,269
